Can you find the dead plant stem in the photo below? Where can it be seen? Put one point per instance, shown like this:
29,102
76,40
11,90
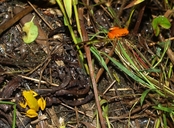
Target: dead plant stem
91,70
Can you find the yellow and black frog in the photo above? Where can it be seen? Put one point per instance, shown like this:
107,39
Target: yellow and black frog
32,103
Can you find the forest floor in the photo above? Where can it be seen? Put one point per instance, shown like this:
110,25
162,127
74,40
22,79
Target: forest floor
100,64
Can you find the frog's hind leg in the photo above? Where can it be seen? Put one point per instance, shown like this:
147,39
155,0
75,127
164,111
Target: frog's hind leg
41,103
31,113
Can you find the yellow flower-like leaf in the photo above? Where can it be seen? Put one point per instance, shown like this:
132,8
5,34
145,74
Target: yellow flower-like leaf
42,103
31,31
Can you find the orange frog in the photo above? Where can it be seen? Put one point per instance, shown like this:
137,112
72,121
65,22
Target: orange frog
117,32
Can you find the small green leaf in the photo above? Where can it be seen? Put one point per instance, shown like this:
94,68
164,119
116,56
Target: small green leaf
160,21
31,32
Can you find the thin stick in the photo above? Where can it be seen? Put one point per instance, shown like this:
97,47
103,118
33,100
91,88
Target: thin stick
109,87
81,112
40,15
16,18
37,80
89,60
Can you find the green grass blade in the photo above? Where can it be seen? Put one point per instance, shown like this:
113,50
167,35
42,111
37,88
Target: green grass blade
165,109
100,59
127,56
151,70
60,3
165,121
14,113
7,102
144,94
14,116
166,45
126,71
135,68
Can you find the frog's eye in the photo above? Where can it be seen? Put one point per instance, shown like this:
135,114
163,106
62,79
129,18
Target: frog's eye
41,103
114,28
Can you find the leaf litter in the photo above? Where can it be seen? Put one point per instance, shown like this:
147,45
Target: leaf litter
138,95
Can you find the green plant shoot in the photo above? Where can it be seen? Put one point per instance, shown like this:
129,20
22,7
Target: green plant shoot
105,109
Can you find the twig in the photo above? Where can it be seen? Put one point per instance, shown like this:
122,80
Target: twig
140,15
81,112
123,3
109,87
88,55
16,18
40,16
37,80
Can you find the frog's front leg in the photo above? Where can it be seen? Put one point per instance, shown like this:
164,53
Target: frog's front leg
31,113
23,105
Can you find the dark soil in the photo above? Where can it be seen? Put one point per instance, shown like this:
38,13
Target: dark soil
51,67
